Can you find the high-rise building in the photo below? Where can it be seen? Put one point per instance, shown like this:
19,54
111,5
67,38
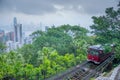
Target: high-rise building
15,21
17,31
20,33
10,36
2,36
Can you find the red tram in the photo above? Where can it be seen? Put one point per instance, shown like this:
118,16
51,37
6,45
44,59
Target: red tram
97,54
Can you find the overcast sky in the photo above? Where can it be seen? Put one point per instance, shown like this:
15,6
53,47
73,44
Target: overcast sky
49,12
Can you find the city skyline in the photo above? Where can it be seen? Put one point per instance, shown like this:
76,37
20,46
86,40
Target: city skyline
16,38
52,12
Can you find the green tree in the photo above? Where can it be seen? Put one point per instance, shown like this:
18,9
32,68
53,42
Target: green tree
55,38
60,38
28,53
2,47
69,60
107,27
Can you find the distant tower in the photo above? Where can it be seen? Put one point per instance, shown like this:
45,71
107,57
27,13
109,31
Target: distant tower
17,31
20,33
2,36
15,21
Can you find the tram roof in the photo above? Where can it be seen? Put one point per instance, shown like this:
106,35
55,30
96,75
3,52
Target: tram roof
100,47
97,47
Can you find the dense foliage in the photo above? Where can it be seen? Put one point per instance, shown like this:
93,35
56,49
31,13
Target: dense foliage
107,27
52,51
2,47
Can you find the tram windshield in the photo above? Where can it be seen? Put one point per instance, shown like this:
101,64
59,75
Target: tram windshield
93,52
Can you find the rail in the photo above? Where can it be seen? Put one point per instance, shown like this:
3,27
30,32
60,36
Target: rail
84,71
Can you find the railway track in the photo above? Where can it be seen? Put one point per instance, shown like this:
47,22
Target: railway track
84,71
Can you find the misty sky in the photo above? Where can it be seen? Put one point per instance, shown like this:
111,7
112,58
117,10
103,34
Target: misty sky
49,12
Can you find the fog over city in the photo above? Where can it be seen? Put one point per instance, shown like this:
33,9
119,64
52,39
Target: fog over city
35,14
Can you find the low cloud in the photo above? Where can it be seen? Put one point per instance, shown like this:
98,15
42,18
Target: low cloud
38,7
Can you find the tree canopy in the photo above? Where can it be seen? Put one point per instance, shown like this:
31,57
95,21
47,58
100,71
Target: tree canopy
107,27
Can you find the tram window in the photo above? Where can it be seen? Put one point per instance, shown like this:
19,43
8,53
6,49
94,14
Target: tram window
93,52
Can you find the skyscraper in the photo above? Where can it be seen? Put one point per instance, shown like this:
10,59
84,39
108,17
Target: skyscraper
15,21
10,36
2,36
17,31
